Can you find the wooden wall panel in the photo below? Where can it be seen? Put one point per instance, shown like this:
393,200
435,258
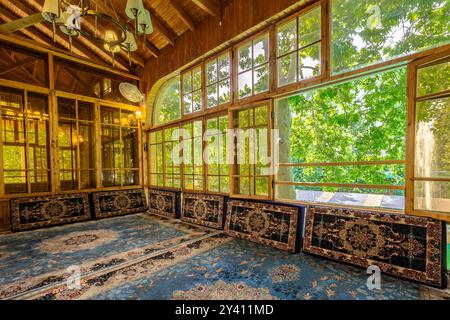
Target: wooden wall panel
238,17
5,217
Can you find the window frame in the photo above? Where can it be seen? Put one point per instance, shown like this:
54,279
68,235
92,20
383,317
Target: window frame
232,120
216,57
413,68
190,71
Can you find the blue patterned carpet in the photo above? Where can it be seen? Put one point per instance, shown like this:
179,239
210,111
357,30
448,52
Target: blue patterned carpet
146,257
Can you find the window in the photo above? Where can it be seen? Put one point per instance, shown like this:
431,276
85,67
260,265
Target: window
371,31
216,155
432,139
75,144
192,91
218,83
167,106
192,144
25,130
251,174
345,144
156,159
172,168
253,67
119,149
299,48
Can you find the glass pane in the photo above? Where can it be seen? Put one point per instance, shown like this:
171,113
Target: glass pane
131,178
261,116
224,91
86,146
111,148
371,31
244,186
432,196
287,38
196,101
85,111
224,184
224,66
213,184
245,57
433,79
261,50
128,118
261,79
287,69
187,82
68,180
432,158
262,186
110,115
66,108
197,78
212,95
168,102
211,72
309,27
245,84
187,100
309,62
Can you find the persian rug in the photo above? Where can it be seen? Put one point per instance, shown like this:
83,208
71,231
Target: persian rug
203,209
37,259
405,246
267,223
116,203
38,212
222,267
162,202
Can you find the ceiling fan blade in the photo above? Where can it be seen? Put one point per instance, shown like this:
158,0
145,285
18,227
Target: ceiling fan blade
22,23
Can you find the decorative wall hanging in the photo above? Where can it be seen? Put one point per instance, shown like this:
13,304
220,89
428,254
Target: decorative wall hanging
38,212
163,203
267,223
405,246
203,209
118,203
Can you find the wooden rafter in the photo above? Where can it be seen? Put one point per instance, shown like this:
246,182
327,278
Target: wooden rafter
19,64
183,15
13,59
159,26
211,7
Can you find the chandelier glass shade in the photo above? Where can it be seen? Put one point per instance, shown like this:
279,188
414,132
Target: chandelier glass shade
76,18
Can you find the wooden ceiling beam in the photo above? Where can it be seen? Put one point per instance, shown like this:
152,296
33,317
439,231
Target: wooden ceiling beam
13,59
158,25
182,14
211,7
17,65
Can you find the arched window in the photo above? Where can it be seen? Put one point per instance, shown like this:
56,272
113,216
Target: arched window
168,102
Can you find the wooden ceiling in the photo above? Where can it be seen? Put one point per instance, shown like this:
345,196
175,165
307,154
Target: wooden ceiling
171,19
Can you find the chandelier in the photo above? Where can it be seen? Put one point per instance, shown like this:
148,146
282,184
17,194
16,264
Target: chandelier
71,17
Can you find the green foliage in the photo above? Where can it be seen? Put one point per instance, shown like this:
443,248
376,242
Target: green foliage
168,103
368,31
362,120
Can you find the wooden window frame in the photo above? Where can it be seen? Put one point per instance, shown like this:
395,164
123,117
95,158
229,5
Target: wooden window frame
410,143
201,90
183,165
218,81
233,166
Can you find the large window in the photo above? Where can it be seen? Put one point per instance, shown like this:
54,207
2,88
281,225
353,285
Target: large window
119,147
253,67
252,158
156,158
192,145
172,168
365,32
167,106
25,132
299,48
345,144
192,90
75,144
217,155
432,138
218,83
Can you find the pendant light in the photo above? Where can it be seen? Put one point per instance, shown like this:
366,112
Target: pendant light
133,10
110,37
145,24
130,45
50,12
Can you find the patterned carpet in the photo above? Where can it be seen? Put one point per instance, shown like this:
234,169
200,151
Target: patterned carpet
147,257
